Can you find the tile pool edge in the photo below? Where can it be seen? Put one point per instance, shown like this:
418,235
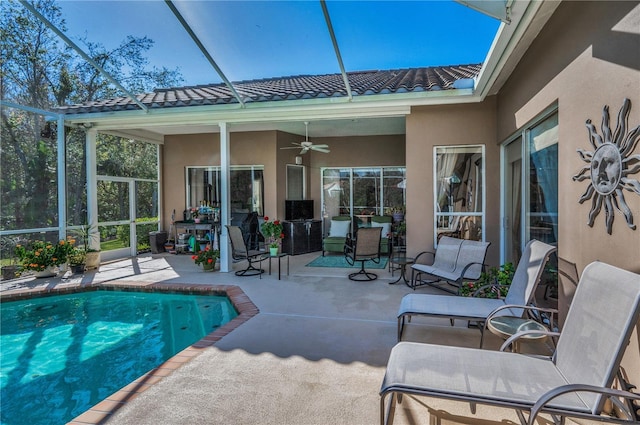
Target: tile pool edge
100,412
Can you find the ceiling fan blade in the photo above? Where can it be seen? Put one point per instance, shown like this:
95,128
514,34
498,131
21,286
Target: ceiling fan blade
321,146
320,149
291,147
304,150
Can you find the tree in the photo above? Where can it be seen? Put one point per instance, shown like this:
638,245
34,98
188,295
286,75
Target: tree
38,70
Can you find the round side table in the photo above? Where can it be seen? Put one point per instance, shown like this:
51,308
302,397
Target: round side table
507,326
400,262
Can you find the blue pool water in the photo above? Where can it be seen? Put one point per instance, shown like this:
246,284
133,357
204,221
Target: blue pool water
63,354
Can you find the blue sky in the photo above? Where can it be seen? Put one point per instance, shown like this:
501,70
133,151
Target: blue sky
263,39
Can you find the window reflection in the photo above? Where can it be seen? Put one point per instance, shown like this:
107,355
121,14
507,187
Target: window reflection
459,177
246,187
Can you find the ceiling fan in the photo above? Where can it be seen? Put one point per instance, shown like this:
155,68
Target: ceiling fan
306,145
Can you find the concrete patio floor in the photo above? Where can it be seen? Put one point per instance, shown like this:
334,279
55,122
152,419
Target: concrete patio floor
314,355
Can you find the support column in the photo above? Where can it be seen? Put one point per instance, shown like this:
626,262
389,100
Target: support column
92,190
225,199
62,180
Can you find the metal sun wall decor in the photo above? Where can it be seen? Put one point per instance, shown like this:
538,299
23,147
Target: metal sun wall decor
609,167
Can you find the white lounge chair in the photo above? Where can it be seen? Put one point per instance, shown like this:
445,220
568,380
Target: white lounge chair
575,382
521,291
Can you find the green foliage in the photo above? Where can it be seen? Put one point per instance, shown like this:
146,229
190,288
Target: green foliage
501,276
208,256
122,233
77,257
38,255
272,231
37,70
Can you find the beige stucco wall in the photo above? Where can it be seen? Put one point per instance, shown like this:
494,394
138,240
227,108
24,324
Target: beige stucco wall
587,56
263,148
429,126
353,152
180,151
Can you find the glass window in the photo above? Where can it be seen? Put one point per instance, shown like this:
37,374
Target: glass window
295,182
362,192
246,187
543,181
459,200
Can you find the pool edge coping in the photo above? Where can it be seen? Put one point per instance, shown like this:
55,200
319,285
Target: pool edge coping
100,412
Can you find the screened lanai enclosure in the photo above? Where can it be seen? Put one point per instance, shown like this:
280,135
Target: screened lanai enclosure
44,185
88,116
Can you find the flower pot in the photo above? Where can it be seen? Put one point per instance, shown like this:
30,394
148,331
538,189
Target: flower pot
47,272
196,220
209,267
398,217
10,272
77,268
93,260
273,251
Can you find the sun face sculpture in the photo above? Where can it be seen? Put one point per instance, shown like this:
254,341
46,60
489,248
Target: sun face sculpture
609,167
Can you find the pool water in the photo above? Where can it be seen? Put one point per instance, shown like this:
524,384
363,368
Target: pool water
63,354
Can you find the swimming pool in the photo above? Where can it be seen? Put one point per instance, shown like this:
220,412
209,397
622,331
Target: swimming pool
62,354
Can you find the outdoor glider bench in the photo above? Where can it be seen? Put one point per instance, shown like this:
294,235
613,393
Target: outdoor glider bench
575,382
454,260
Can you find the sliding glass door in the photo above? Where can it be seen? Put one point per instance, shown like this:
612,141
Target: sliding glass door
530,187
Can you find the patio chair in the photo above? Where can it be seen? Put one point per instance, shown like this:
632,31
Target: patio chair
365,247
383,221
575,382
338,230
521,292
239,252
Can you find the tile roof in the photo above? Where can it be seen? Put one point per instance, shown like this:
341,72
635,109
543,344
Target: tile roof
363,83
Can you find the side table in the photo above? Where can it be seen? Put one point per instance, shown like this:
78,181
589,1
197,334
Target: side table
279,257
507,326
400,262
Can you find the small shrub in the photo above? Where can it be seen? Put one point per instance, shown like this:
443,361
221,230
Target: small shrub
501,276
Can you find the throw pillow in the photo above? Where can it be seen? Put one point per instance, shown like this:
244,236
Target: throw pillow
339,228
386,228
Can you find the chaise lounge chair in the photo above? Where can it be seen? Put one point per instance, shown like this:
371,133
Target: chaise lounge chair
521,291
575,382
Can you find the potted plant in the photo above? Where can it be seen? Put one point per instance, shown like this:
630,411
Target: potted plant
398,214
207,258
8,249
91,239
77,260
272,232
42,256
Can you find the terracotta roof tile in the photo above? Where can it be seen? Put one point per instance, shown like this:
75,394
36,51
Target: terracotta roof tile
363,83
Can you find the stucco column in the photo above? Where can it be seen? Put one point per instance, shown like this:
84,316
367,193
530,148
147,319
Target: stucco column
225,200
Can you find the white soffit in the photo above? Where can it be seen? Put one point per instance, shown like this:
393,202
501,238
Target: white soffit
511,43
499,9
